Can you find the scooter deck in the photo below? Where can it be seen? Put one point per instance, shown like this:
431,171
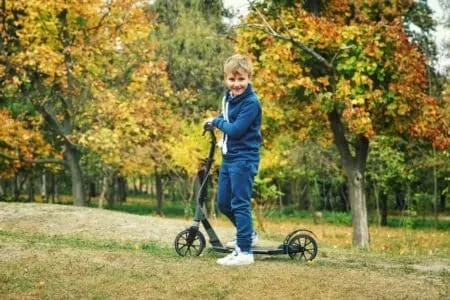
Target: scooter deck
256,250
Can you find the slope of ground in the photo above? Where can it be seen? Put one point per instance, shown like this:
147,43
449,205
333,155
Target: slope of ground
65,252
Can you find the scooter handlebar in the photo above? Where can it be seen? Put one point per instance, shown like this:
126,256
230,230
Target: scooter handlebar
208,126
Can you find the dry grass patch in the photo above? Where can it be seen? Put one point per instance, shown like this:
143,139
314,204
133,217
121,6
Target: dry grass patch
59,252
48,271
395,241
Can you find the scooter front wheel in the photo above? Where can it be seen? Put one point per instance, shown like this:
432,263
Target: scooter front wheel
302,247
190,242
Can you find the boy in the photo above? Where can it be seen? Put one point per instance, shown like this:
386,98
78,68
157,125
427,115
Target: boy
240,123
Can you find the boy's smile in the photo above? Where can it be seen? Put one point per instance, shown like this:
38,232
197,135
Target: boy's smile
237,82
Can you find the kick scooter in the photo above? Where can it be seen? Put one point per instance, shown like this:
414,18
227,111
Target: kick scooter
299,244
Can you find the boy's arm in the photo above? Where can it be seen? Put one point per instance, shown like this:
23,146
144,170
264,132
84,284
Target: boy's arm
248,113
211,119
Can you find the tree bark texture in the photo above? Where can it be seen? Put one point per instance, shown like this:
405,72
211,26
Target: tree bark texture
384,209
159,193
354,166
73,161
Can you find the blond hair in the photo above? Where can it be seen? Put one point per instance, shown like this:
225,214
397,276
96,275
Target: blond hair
238,63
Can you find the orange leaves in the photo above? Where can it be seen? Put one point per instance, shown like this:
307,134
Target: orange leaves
20,141
431,123
379,76
358,121
343,11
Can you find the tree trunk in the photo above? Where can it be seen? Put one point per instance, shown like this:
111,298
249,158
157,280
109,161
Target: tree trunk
376,196
72,157
442,201
44,195
101,199
121,189
343,194
141,184
92,190
357,199
304,200
312,207
111,190
16,188
435,192
159,194
55,190
31,190
52,188
400,201
150,190
384,209
354,166
312,6
2,192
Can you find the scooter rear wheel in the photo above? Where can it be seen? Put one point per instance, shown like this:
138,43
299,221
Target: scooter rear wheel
302,247
190,242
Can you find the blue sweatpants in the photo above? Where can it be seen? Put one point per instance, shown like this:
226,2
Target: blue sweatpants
234,197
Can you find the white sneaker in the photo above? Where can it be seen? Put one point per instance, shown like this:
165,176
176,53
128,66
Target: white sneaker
222,260
233,243
237,258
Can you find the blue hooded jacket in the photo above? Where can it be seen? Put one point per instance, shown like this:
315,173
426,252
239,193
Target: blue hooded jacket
242,131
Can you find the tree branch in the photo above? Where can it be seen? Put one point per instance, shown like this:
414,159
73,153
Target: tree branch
53,121
34,161
340,141
296,42
103,17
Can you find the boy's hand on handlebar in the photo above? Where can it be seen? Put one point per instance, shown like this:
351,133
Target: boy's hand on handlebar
207,124
209,120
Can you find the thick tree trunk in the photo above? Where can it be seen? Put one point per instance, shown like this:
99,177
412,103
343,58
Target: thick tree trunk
73,161
357,198
354,165
122,187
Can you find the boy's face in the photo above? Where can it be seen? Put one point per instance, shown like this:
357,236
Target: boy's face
237,82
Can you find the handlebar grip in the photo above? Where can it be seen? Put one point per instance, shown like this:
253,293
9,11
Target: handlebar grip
208,126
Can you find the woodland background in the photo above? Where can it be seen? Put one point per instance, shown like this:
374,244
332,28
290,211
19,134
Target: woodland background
103,100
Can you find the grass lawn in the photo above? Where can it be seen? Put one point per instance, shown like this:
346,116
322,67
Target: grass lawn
36,266
36,262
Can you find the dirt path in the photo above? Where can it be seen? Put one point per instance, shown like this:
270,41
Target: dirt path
92,223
